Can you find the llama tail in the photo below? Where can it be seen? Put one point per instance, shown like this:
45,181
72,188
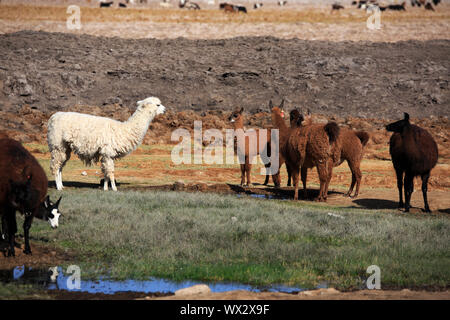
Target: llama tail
363,136
332,130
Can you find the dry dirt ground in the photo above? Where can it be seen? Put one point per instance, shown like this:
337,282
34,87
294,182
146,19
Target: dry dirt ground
307,21
358,84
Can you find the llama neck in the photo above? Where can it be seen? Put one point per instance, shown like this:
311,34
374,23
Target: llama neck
238,124
138,125
409,144
279,123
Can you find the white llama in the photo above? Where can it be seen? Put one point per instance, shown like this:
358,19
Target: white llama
96,139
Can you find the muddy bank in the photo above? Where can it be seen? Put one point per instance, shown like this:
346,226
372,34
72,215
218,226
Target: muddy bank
54,71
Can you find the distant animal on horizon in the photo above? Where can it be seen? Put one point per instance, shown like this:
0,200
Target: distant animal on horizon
257,5
94,138
282,3
414,152
336,6
106,4
429,6
398,7
23,188
227,7
122,5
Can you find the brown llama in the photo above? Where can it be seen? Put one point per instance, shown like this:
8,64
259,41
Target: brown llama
277,114
313,145
352,150
23,187
414,153
237,119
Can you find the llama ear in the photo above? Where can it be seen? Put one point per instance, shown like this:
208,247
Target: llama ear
282,104
270,105
47,202
57,202
242,110
406,117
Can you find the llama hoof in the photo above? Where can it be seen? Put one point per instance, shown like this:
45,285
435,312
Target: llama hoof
354,196
27,251
427,210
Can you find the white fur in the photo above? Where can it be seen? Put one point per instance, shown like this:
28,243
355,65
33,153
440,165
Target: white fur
94,138
54,222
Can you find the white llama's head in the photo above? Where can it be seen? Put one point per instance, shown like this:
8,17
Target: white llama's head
152,103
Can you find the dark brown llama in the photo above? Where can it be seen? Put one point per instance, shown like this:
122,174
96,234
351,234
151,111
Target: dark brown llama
414,153
23,187
237,119
313,145
352,150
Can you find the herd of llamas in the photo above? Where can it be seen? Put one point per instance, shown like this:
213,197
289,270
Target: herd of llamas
302,146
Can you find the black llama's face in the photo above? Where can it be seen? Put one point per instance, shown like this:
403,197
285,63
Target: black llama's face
49,211
398,126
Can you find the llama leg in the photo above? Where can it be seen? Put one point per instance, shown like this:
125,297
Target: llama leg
295,176
358,176
58,160
409,189
266,181
26,232
356,179
289,176
11,229
304,173
113,182
399,173
242,174
248,170
323,177
329,176
108,172
425,178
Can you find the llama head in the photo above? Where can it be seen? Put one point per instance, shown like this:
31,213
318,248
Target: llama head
151,103
398,126
49,211
277,110
236,115
295,118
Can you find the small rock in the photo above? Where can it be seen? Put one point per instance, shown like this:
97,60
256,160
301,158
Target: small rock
84,173
319,292
197,289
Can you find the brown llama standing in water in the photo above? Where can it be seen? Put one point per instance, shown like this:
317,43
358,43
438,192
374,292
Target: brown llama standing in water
237,119
414,153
